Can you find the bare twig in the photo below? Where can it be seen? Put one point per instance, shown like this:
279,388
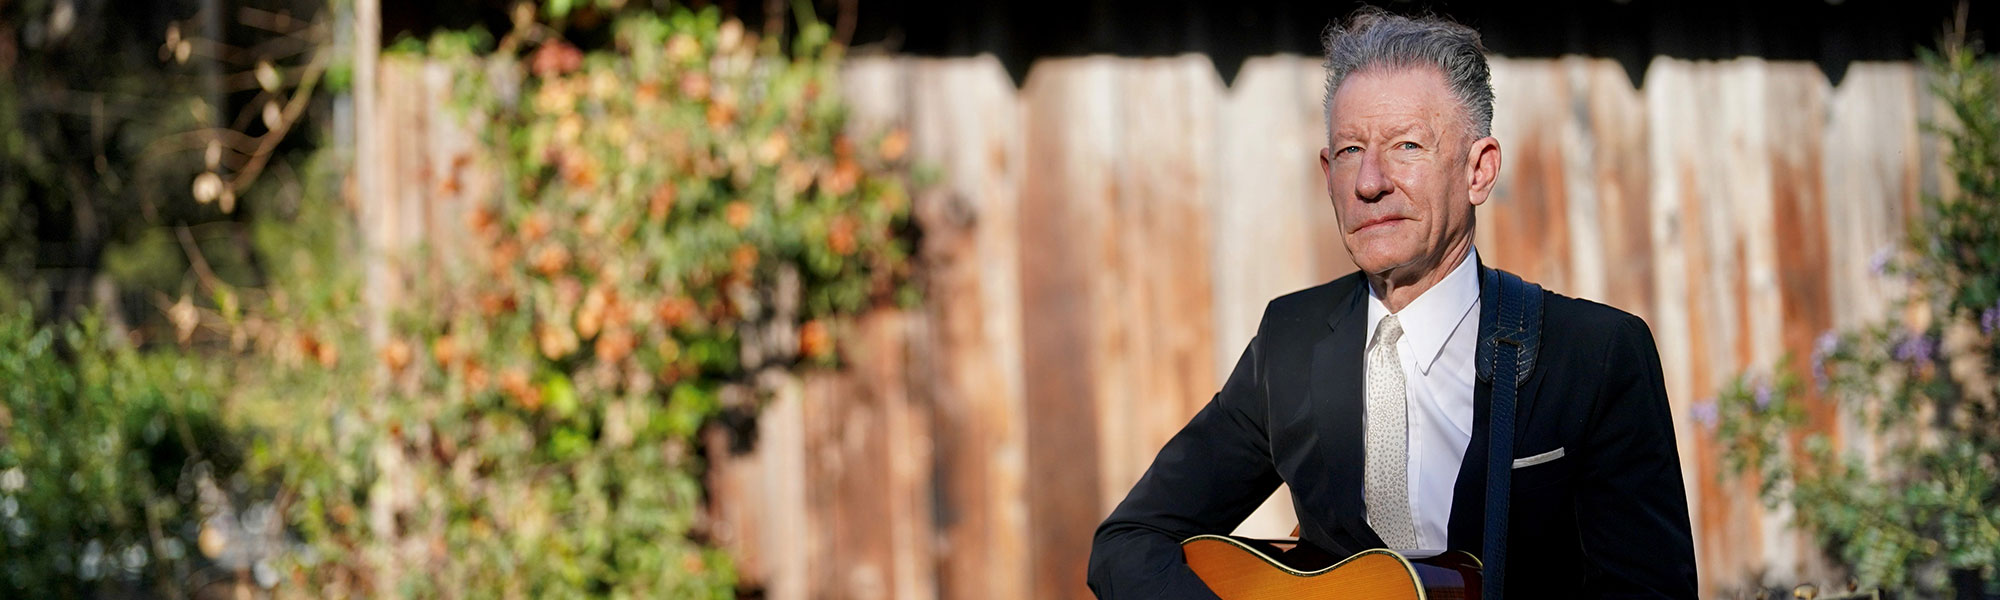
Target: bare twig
774,18
290,45
844,26
197,139
207,48
301,97
209,282
274,22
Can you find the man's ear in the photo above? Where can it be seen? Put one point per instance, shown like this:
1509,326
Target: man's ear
1326,169
1482,167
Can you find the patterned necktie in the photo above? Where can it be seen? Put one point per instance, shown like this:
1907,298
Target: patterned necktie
1387,488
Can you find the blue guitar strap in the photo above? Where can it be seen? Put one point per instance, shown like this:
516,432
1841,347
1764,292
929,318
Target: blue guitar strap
1506,356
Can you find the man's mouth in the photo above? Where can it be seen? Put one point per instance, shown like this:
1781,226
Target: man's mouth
1383,220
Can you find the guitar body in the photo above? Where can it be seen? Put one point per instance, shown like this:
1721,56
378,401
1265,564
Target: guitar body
1240,569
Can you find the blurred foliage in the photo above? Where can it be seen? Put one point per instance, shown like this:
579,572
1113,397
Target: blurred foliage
104,453
1923,514
132,139
678,218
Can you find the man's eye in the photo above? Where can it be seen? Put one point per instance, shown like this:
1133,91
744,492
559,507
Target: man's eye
1408,146
1349,150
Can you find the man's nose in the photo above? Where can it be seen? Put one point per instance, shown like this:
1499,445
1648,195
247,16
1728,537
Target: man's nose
1371,183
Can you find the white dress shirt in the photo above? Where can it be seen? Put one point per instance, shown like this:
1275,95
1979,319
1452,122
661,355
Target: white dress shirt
1440,335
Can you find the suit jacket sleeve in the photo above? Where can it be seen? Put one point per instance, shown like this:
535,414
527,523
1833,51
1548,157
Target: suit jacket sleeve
1206,480
1631,509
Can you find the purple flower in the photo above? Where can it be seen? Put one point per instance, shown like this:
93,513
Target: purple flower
1990,320
1879,262
1704,412
1763,393
1827,344
1917,350
1823,348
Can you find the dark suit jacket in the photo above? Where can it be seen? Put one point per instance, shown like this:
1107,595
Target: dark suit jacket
1607,520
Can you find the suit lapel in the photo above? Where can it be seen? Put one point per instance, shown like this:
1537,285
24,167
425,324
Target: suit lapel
1337,393
1466,528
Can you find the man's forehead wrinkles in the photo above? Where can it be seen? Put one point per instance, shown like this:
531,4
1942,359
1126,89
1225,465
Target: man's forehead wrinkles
1392,128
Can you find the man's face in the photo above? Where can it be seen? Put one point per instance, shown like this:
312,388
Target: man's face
1398,171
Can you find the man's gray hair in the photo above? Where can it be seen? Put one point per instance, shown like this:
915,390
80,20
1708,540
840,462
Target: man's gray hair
1373,38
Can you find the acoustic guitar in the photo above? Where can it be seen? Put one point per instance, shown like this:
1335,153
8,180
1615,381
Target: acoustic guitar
1246,569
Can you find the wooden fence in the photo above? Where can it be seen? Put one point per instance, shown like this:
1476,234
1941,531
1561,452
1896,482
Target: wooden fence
1107,236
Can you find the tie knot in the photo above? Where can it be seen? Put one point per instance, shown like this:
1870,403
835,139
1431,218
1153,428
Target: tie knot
1389,330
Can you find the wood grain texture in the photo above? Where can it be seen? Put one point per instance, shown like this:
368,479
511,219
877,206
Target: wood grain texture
1235,571
965,119
1105,240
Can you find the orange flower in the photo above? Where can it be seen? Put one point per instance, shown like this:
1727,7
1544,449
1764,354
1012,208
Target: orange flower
444,350
328,355
721,114
578,169
694,84
674,311
843,147
591,317
556,341
555,58
308,345
396,355
773,148
794,176
550,259
514,382
614,345
480,220
743,258
492,304
894,145
737,214
842,178
503,256
840,235
662,201
535,226
815,340
475,377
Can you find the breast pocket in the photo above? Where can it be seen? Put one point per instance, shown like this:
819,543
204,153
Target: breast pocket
1542,469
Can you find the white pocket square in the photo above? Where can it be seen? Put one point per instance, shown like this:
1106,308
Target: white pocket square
1538,459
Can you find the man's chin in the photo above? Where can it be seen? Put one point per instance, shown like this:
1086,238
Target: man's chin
1384,264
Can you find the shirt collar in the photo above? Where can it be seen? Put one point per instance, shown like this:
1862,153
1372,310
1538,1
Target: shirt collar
1431,319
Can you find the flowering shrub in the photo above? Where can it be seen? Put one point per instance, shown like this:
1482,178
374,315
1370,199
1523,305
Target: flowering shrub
1924,519
678,216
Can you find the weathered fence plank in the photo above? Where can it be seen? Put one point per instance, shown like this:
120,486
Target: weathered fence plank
964,119
1069,109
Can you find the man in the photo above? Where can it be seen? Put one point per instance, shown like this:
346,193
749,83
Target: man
1362,393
